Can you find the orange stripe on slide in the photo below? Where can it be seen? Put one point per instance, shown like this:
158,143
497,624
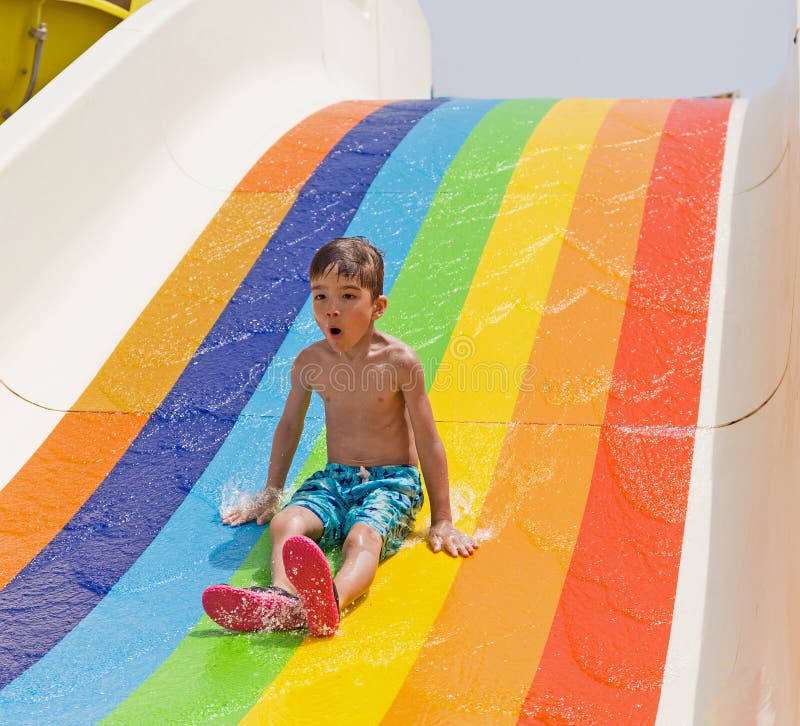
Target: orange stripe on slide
604,659
486,643
291,161
570,373
38,501
66,469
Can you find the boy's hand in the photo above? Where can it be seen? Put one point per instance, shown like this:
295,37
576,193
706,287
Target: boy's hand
443,535
262,507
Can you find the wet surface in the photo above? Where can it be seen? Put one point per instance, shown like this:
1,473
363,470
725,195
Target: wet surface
550,263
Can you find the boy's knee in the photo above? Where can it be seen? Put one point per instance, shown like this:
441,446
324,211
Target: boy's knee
362,536
294,521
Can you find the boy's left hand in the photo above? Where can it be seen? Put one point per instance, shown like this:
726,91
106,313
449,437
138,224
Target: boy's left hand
444,536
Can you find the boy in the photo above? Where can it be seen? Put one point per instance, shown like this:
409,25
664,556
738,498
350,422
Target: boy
379,422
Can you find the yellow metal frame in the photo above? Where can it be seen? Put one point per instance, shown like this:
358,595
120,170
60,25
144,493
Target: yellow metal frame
72,27
103,6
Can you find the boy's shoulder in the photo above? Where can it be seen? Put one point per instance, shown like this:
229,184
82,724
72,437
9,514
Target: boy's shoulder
395,350
385,349
313,358
313,351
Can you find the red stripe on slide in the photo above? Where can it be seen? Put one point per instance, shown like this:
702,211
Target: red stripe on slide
604,658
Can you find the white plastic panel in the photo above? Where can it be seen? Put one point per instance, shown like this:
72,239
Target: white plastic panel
109,174
734,653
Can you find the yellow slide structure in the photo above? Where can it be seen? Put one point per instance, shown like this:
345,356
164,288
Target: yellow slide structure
39,38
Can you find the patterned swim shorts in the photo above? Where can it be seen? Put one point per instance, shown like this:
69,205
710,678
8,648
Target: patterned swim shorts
385,498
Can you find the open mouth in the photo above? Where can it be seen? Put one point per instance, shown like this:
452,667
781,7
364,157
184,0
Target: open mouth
335,332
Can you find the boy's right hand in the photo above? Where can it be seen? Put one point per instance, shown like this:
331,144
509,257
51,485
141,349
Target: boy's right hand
262,507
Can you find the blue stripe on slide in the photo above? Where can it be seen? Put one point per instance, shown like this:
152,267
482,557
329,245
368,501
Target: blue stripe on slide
83,562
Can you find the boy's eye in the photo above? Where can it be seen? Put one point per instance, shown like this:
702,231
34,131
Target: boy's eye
319,296
349,296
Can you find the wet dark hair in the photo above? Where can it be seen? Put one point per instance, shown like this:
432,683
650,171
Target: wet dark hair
353,257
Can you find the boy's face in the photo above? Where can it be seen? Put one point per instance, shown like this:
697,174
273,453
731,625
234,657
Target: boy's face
343,309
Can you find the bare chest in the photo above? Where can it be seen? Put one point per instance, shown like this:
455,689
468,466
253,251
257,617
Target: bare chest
369,390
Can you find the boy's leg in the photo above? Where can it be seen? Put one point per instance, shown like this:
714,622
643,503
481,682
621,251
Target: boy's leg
290,522
309,571
321,596
361,553
377,527
272,608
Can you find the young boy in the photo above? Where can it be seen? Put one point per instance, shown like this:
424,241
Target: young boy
379,422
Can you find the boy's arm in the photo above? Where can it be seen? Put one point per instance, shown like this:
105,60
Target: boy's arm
264,505
433,462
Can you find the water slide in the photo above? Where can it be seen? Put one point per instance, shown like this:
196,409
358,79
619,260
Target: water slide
602,294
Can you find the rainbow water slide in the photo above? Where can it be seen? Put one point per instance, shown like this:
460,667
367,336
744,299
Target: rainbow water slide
602,295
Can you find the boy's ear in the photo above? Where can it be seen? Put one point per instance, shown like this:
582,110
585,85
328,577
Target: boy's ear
379,306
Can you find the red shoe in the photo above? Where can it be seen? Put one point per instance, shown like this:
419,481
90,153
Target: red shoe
310,573
253,608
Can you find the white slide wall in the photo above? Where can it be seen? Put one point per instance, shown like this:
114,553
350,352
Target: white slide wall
734,655
109,174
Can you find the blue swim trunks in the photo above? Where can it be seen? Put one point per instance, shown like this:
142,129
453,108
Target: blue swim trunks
385,498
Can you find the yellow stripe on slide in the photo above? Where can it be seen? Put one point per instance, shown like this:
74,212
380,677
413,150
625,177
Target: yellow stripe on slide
355,676
493,338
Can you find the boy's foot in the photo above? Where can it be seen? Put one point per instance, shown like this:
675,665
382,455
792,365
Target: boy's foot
253,608
310,573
